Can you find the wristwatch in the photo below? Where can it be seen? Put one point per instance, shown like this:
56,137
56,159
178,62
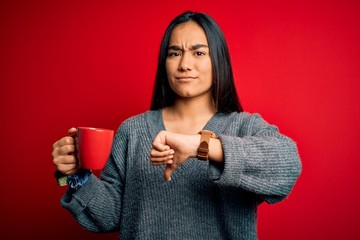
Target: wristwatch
203,150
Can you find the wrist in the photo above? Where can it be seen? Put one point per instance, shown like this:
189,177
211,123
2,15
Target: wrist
195,142
79,179
216,153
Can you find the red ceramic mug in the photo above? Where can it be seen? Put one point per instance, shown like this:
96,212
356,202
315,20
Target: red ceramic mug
93,146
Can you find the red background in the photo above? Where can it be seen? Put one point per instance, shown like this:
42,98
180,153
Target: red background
71,63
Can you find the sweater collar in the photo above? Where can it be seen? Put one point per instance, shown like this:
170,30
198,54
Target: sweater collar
216,124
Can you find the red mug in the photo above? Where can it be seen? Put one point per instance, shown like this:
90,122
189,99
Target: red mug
93,146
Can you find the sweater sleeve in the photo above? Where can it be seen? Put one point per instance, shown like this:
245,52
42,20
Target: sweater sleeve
97,204
262,161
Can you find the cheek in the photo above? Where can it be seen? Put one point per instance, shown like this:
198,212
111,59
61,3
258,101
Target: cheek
207,69
170,67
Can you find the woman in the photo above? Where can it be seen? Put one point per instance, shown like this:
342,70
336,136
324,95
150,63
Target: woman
215,179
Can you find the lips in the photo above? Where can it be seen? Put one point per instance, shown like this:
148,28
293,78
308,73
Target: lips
185,78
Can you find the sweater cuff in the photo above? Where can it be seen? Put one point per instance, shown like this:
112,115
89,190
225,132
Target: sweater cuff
229,173
77,201
215,171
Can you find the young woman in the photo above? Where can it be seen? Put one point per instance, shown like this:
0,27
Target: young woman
195,166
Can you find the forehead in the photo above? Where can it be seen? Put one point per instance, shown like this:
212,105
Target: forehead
188,33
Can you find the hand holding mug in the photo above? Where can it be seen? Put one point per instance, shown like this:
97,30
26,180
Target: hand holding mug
86,147
63,156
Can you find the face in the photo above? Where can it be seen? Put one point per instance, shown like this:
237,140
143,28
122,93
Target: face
188,62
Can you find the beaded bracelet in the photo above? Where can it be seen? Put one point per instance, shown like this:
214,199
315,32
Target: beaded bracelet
79,179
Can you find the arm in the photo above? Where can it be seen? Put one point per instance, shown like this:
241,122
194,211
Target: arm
97,204
261,161
255,157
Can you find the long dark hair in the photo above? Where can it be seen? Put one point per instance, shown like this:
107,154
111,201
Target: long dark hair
223,90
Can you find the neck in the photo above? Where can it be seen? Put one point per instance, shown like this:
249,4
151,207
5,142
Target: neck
190,108
188,115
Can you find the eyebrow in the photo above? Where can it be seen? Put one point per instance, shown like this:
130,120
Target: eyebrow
193,47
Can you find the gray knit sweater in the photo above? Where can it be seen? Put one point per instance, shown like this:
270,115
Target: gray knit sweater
203,200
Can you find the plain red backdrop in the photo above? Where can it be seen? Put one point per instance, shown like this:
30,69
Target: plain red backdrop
71,63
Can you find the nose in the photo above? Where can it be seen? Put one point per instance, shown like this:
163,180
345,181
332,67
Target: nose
185,63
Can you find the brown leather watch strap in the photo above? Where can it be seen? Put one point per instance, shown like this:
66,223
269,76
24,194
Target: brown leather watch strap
203,150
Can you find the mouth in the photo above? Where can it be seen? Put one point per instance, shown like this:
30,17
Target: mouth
185,78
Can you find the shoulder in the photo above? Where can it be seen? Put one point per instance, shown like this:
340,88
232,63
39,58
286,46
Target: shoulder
139,121
136,119
152,114
240,117
245,123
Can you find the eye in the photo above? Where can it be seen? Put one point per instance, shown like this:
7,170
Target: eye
173,54
198,53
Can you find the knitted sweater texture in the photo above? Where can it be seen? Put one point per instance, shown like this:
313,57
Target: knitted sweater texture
203,200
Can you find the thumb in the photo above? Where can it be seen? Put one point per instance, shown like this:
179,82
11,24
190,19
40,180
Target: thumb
72,130
169,169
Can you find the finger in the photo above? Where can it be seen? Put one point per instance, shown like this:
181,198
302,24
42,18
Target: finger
63,141
161,159
160,146
63,150
66,164
159,154
68,169
162,163
65,159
